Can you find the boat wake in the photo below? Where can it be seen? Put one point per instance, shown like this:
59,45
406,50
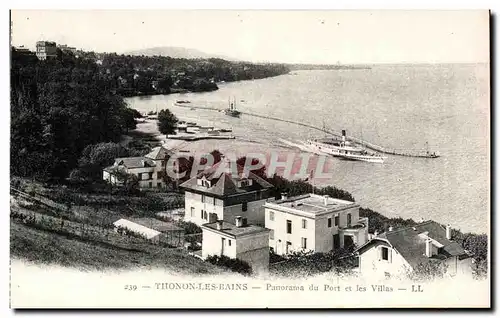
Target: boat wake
299,145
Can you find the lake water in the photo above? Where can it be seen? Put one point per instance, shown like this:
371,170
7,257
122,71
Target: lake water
398,106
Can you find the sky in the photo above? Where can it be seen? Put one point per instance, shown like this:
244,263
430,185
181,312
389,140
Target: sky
347,37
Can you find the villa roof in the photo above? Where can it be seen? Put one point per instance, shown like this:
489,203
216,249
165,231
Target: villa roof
224,182
158,153
410,243
156,224
310,203
135,162
233,230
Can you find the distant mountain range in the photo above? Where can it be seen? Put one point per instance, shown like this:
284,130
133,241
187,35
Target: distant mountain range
178,52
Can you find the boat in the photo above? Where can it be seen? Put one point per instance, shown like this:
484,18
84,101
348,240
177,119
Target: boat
231,110
183,102
341,148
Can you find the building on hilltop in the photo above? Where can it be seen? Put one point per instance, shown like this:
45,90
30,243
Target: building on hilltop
238,240
398,252
67,49
313,223
46,50
217,194
150,169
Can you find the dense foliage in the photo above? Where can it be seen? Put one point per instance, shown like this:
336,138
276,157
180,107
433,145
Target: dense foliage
234,264
308,263
141,75
59,107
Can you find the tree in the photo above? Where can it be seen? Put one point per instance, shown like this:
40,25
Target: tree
130,181
128,117
96,157
167,122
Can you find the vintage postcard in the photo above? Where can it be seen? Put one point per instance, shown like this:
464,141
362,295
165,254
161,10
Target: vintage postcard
250,159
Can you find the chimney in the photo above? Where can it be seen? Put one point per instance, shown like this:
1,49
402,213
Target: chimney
428,248
284,196
343,135
325,199
448,232
219,225
391,228
238,221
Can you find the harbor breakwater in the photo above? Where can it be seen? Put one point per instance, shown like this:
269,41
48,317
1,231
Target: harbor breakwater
417,153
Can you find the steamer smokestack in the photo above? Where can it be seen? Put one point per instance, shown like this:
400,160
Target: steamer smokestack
343,135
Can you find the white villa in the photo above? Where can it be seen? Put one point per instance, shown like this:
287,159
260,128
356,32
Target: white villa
216,194
313,223
249,243
150,169
397,252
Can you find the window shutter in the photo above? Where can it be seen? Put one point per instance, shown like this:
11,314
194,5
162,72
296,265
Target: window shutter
379,253
389,255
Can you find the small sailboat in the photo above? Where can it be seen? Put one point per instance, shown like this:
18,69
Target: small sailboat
231,110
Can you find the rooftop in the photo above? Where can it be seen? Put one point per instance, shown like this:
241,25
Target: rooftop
410,242
224,181
158,153
233,230
135,162
156,224
312,203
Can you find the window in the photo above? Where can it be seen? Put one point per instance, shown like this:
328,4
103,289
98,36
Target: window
349,219
304,243
336,220
304,223
192,211
229,242
202,198
159,184
205,215
151,184
244,183
271,235
271,215
329,222
289,226
385,253
244,206
202,214
150,175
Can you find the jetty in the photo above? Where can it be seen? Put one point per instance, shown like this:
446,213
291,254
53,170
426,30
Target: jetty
416,153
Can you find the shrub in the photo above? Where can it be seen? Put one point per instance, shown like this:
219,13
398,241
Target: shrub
189,227
428,271
236,265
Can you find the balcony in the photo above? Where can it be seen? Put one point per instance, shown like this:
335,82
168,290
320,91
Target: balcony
361,224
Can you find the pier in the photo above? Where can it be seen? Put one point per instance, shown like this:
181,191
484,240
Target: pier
391,151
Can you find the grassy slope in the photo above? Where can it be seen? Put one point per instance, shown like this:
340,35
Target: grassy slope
50,248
